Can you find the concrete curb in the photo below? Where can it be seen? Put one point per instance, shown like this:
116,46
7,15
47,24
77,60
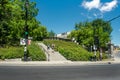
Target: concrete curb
55,63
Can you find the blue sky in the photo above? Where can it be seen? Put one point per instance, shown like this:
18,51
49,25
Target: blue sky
61,15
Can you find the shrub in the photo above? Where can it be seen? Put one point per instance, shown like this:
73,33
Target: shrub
11,52
72,51
35,53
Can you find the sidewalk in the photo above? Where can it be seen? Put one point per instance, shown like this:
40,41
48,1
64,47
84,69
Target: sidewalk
54,59
55,63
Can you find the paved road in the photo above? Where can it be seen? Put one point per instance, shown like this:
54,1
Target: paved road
81,72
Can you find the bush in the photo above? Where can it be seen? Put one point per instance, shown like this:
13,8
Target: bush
72,51
11,52
35,53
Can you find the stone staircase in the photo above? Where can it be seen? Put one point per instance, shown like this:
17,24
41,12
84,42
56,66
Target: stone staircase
51,54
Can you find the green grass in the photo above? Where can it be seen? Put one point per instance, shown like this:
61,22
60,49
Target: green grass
35,53
11,52
72,51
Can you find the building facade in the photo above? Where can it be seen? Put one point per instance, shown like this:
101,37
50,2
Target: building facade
63,35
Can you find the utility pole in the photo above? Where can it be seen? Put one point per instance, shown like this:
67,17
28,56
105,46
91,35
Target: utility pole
96,39
94,44
113,18
109,44
26,31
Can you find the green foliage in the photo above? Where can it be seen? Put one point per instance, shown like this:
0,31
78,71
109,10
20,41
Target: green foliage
40,33
5,16
51,33
12,22
70,50
11,52
35,53
85,33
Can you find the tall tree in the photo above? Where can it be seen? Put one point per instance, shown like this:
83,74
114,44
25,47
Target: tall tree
51,33
103,31
95,32
12,21
5,17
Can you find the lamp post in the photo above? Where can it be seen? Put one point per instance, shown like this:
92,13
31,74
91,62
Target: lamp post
94,43
26,31
109,43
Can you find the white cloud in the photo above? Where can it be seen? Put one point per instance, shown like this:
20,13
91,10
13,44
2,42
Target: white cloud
91,4
96,4
108,6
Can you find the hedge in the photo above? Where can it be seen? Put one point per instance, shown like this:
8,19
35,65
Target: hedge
70,50
35,52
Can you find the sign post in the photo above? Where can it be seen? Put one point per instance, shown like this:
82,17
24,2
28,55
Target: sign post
26,31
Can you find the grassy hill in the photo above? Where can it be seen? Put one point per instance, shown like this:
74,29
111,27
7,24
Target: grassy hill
35,53
70,50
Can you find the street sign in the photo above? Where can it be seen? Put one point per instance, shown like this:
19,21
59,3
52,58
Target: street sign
29,42
30,38
94,47
22,41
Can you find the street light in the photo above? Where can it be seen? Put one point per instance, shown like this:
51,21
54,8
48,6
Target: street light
26,30
96,38
96,41
109,43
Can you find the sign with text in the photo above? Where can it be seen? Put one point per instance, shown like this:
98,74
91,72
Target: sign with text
22,41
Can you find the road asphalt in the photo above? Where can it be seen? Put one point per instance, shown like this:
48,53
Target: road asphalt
80,72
